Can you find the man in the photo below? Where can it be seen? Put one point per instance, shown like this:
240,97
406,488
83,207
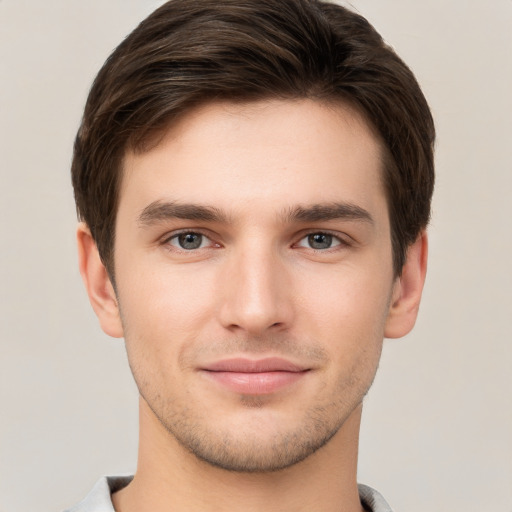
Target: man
254,180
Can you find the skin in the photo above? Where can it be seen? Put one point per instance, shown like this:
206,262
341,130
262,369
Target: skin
275,273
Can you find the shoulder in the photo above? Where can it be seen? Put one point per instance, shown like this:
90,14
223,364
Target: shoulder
99,499
372,500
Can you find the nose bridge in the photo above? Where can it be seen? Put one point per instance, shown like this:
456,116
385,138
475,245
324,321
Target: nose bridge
256,295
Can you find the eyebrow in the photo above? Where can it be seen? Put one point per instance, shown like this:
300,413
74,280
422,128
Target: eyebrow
159,211
329,211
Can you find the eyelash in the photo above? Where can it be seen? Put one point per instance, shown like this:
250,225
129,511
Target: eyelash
166,241
341,242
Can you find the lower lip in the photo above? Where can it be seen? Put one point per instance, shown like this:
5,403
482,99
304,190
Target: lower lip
262,383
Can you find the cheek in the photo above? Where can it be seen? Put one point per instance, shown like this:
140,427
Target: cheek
346,313
161,314
166,298
348,301
167,313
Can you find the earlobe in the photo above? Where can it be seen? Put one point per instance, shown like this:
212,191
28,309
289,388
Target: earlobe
97,283
407,290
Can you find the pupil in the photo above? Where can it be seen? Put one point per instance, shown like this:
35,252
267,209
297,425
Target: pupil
320,241
190,240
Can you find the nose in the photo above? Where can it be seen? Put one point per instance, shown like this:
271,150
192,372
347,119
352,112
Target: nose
256,291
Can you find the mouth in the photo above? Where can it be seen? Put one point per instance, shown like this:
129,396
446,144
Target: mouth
255,377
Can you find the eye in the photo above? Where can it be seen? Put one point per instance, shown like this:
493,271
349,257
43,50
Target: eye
189,241
319,241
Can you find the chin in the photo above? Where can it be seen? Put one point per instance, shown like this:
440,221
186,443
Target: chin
256,455
260,442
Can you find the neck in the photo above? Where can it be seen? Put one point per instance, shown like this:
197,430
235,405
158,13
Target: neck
168,475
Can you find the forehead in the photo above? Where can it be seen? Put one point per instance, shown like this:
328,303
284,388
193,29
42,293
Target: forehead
272,153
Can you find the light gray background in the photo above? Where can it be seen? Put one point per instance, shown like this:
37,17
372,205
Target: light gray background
437,427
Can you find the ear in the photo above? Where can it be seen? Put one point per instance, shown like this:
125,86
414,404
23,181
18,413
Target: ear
407,290
97,283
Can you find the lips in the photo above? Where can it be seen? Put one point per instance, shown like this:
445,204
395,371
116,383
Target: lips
255,377
270,364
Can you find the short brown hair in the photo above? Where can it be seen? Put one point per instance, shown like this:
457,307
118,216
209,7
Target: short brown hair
190,52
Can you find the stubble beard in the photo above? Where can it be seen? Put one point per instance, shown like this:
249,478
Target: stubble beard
249,451
246,453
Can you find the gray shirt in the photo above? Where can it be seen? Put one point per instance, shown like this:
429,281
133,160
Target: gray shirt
99,499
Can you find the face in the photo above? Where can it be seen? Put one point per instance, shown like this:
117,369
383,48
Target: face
254,277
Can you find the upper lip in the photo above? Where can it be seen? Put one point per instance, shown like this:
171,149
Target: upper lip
243,365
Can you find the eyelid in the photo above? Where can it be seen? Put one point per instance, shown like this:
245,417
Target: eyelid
343,238
176,233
